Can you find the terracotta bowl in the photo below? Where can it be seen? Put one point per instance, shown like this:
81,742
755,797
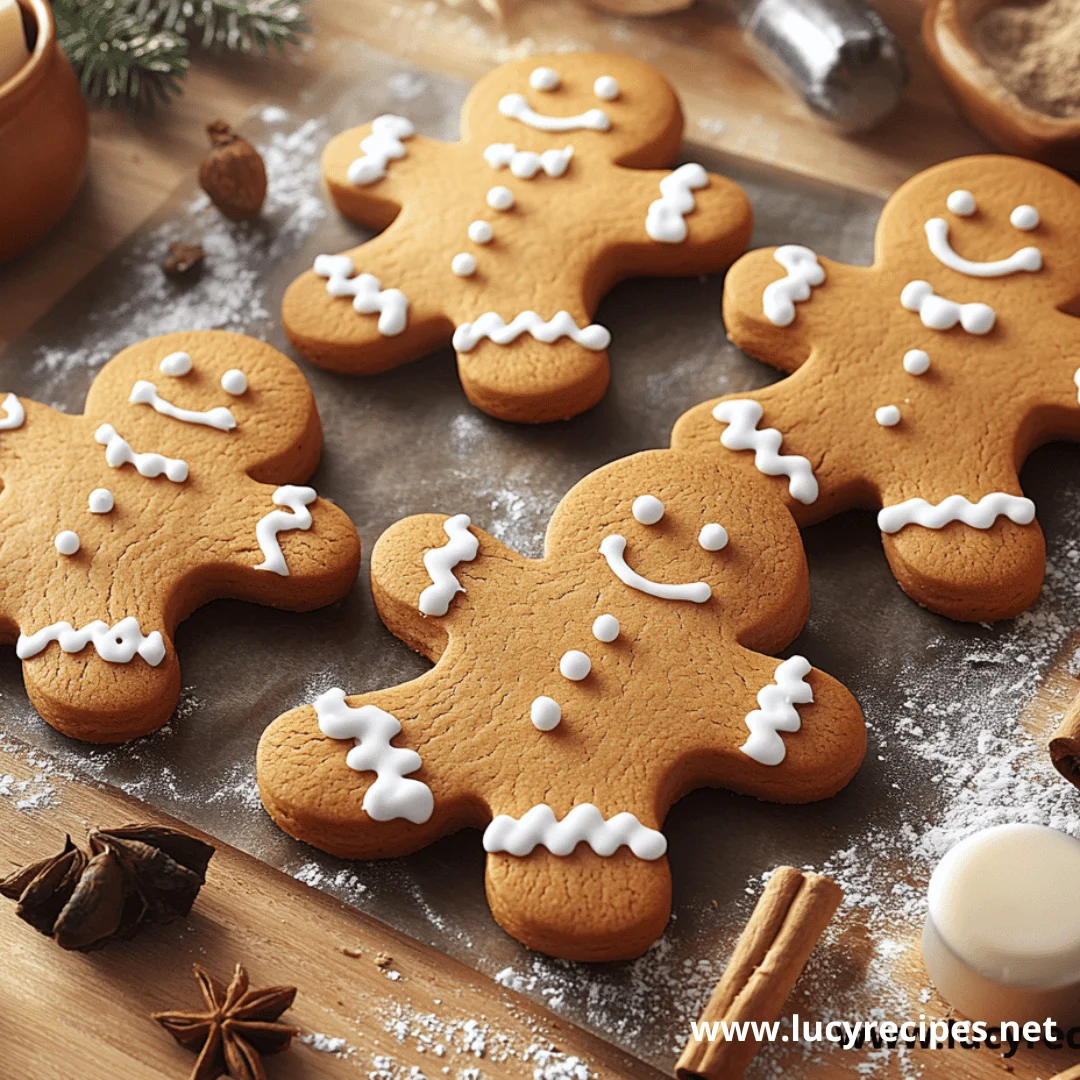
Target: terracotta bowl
990,106
44,135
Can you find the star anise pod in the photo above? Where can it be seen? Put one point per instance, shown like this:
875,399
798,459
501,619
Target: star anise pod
136,874
237,1027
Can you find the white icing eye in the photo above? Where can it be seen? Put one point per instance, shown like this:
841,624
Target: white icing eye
574,665
606,88
545,714
916,362
177,364
713,537
463,264
101,501
605,628
961,202
1024,218
647,509
887,416
544,78
67,542
500,198
480,232
234,382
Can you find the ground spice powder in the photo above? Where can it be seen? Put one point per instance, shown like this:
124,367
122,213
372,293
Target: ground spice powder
1035,51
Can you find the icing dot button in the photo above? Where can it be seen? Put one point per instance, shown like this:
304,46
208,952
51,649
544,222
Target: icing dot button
544,78
101,501
480,232
605,628
887,416
574,665
647,509
67,543
176,364
713,537
916,362
1025,218
500,198
606,88
961,202
234,382
463,264
545,714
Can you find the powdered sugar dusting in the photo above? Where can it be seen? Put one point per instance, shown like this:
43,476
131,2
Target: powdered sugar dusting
228,292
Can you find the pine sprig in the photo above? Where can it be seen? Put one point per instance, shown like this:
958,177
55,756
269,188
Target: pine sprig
233,25
135,52
118,58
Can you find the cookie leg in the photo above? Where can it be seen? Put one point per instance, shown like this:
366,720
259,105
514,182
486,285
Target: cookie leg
533,382
89,698
581,906
970,574
356,313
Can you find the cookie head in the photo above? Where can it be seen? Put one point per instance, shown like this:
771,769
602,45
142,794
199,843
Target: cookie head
612,106
681,534
997,224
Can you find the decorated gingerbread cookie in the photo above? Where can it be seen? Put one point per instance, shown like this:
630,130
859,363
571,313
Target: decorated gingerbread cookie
503,243
181,482
575,697
923,381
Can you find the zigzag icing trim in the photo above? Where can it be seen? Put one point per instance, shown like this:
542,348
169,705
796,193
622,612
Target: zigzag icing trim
777,711
461,546
367,292
742,417
118,452
980,515
278,521
392,795
539,827
666,220
381,147
490,325
115,644
803,273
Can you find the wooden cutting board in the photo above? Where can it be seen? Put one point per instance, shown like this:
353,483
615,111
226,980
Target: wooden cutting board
66,1015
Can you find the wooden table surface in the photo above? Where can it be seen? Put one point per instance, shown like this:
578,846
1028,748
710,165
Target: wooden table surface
249,910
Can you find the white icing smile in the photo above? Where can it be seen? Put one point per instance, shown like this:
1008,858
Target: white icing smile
145,393
613,549
517,108
937,236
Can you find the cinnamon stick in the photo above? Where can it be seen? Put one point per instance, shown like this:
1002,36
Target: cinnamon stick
1065,744
789,918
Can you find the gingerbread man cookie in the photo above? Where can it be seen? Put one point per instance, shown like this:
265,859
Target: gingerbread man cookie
923,381
180,483
575,697
504,243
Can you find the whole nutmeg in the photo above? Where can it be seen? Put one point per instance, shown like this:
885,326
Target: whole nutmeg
233,173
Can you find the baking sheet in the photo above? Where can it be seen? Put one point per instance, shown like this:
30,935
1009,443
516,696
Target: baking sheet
408,442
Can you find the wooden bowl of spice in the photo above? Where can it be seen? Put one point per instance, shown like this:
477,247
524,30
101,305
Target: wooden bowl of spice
1014,69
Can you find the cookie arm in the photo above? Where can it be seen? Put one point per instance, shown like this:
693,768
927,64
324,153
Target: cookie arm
380,183
782,731
657,232
367,309
288,549
353,775
781,302
434,576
